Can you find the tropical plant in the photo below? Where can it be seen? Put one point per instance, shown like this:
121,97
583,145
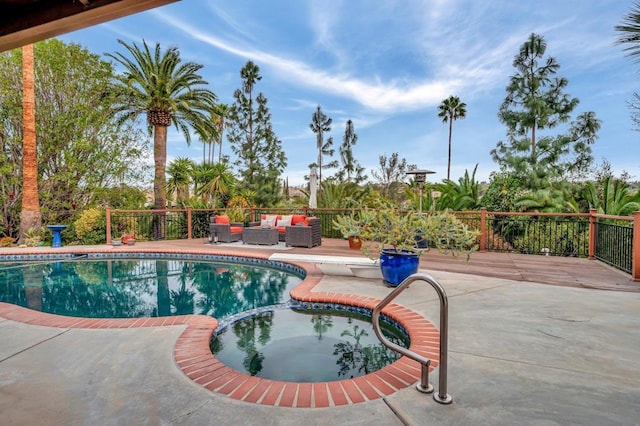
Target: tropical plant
179,171
168,91
614,197
449,110
464,195
536,101
212,181
30,216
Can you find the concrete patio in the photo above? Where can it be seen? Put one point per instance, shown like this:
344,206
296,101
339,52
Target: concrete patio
556,351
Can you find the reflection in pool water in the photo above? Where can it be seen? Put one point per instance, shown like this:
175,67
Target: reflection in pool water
305,346
125,288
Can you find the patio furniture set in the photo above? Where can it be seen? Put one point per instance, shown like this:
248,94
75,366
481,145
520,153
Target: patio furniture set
293,230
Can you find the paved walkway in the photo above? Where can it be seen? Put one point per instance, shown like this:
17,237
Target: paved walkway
520,352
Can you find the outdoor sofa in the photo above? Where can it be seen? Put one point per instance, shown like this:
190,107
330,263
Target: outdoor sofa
295,230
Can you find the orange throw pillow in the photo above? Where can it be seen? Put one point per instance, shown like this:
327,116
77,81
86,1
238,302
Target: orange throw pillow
224,219
297,218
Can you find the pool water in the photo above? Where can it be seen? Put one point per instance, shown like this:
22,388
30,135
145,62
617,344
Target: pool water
133,288
305,346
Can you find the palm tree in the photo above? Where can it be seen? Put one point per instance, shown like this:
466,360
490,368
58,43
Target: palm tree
222,113
169,92
451,109
213,180
629,31
179,171
30,216
614,197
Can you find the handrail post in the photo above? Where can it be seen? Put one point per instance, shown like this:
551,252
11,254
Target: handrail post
423,386
592,233
635,248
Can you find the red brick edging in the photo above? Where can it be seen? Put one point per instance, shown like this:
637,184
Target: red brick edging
193,355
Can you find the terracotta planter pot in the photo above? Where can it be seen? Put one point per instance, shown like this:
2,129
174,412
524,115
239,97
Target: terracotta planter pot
355,242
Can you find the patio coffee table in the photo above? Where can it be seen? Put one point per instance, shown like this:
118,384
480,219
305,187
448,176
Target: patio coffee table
258,235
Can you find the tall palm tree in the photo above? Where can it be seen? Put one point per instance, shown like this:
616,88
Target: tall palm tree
222,113
168,91
449,110
30,216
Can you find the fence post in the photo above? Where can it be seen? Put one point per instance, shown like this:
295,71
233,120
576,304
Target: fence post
635,251
108,226
189,225
592,233
483,229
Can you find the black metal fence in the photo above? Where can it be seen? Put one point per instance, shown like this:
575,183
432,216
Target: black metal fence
614,243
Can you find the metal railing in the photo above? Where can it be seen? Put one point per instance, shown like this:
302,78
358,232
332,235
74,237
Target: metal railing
614,243
423,386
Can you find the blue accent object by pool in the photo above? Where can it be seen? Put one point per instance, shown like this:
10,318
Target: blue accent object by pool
57,238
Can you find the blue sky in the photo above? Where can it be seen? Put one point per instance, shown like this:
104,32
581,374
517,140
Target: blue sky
387,65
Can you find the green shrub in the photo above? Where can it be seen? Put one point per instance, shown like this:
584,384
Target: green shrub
90,227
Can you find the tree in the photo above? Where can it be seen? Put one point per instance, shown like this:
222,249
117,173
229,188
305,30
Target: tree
222,114
392,172
536,101
449,110
30,217
320,124
260,158
350,165
168,91
82,152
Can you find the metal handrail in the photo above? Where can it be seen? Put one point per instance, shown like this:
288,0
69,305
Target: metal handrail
423,386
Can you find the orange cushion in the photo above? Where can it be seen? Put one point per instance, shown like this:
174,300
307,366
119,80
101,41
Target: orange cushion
235,229
306,221
282,229
297,218
222,219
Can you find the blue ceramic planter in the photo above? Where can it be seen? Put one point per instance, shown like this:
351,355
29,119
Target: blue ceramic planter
398,265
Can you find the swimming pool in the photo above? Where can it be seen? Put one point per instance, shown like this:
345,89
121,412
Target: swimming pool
147,286
305,345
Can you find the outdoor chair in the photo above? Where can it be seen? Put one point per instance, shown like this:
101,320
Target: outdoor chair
221,230
304,235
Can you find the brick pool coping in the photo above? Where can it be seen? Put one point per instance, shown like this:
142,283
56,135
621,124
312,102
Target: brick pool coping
193,355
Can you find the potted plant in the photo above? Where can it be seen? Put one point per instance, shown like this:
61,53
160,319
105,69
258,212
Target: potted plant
349,227
390,236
